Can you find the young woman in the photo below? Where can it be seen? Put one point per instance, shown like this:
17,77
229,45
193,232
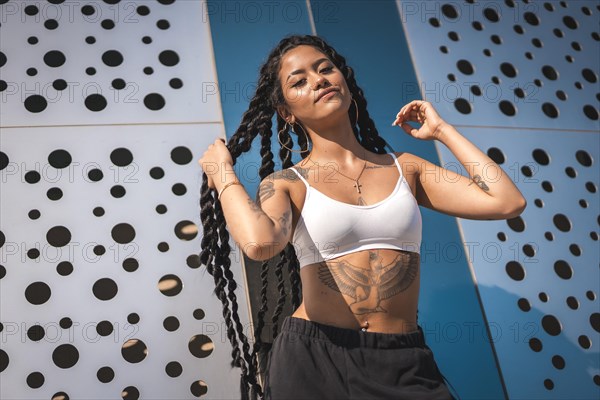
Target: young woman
346,222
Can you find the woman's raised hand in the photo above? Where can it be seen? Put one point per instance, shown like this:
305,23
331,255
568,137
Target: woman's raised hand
422,112
216,161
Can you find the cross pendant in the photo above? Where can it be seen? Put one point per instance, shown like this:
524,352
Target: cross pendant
357,186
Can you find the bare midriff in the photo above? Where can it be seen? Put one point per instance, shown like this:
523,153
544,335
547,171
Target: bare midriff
370,290
374,290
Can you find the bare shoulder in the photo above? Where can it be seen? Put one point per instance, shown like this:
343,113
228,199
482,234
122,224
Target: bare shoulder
407,161
278,181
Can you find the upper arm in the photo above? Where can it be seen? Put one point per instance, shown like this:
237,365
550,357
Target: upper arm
273,197
451,193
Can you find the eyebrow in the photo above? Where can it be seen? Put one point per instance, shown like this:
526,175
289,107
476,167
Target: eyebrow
299,71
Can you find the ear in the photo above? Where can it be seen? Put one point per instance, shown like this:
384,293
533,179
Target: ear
285,114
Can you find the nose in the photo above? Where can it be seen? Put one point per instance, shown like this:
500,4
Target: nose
319,82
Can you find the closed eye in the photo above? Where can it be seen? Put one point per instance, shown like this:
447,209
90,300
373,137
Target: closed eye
301,81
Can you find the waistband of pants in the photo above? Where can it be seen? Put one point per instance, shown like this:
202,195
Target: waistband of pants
353,338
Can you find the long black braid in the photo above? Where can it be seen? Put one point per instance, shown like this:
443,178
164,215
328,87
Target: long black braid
215,248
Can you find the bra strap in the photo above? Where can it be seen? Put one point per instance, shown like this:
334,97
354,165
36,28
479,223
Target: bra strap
397,164
300,176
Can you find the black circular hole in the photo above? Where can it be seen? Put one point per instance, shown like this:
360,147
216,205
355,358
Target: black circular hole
561,95
496,39
143,10
531,18
549,72
590,112
107,24
508,69
515,270
541,157
524,304
163,24
539,203
535,344
453,36
570,22
562,222
176,83
551,325
449,11
575,249
571,173
584,341
519,92
589,75
507,108
550,110
491,15
584,158
434,22
563,269
591,187
496,154
572,303
547,186
465,67
462,106
558,362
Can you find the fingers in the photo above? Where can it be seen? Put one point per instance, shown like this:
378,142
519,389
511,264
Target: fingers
413,111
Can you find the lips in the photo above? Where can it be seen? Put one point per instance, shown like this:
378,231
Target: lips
326,91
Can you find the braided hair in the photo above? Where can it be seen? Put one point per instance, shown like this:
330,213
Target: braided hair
215,249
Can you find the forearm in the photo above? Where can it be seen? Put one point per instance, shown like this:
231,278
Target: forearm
247,223
484,172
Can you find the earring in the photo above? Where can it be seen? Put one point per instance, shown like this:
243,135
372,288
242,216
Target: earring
284,146
356,107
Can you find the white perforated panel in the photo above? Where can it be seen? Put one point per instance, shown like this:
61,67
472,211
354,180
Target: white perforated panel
106,62
101,293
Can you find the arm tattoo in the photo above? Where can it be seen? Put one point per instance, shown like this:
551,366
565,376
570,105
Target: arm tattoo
255,208
265,191
370,285
284,220
479,182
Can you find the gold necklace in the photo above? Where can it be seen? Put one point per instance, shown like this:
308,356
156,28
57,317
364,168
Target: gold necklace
357,185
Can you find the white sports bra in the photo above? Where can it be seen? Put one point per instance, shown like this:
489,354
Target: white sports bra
328,228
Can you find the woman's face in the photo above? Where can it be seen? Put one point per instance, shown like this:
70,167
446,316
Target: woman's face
306,75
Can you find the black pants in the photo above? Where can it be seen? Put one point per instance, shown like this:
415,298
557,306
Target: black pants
310,360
